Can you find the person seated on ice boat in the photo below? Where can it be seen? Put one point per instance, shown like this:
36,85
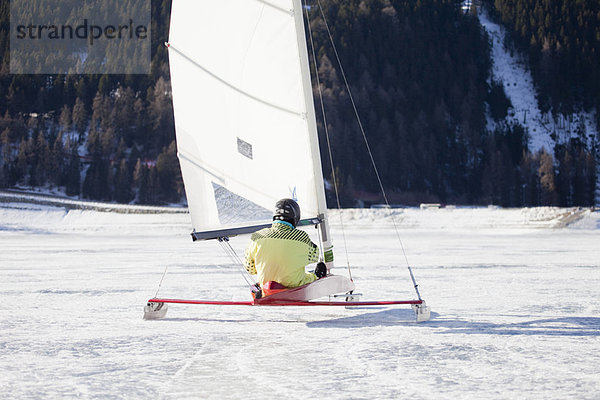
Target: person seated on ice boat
281,252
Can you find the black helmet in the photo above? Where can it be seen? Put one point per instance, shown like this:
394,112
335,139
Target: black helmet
287,210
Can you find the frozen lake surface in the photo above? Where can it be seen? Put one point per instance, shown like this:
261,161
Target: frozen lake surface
515,298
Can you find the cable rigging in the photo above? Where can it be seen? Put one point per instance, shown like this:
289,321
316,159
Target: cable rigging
364,136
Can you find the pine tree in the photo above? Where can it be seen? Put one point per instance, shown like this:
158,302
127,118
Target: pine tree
57,161
584,183
65,120
79,118
72,176
25,161
498,101
161,113
6,156
42,164
565,177
529,167
3,176
124,114
108,142
141,122
168,174
141,182
96,182
123,183
98,112
547,178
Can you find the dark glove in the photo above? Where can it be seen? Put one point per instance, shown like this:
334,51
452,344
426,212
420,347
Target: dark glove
321,270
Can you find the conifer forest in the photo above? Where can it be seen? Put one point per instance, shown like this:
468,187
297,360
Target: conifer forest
420,76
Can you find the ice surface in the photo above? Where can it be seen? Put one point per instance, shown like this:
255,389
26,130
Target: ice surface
514,297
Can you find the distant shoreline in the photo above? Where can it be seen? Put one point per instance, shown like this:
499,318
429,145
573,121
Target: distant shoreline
23,196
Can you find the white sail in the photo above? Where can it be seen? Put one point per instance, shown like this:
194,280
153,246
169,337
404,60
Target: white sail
244,112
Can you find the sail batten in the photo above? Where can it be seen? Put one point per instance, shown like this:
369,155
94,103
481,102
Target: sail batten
289,11
244,113
233,87
190,159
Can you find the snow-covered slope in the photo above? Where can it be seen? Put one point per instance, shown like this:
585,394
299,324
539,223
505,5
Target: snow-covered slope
513,73
514,295
545,129
512,70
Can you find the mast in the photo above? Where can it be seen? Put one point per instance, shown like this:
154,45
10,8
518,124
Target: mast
326,245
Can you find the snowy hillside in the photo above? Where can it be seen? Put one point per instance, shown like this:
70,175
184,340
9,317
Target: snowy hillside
512,70
545,130
514,297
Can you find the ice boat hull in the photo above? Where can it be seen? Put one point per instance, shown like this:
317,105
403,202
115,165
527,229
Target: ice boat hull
326,286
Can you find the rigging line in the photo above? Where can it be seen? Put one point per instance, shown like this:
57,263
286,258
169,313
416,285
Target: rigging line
161,281
249,281
237,261
333,175
362,130
236,257
231,253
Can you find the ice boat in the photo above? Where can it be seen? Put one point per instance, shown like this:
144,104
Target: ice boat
247,133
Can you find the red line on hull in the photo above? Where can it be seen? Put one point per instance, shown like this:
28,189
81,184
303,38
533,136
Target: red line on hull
281,303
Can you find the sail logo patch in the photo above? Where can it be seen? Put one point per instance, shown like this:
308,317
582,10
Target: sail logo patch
244,148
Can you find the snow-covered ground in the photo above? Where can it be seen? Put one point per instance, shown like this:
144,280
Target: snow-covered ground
57,199
514,297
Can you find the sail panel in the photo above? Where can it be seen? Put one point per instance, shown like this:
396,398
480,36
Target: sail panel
241,115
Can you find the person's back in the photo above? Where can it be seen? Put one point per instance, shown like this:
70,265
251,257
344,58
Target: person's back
280,253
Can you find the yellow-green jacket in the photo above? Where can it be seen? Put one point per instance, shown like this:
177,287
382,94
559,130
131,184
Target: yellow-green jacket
279,254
